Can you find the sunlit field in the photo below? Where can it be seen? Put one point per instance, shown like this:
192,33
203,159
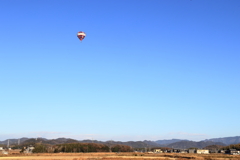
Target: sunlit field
118,156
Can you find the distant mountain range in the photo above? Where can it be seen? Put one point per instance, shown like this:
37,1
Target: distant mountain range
167,142
14,141
173,143
192,144
226,140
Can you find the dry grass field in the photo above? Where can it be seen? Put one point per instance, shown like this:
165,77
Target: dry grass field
117,156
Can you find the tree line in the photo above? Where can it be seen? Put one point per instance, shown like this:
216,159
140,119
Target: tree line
232,146
80,147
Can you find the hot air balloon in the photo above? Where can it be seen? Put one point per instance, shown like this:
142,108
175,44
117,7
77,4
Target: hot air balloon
81,35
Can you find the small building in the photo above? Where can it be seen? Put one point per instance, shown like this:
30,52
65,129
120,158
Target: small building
222,151
191,151
202,151
169,151
179,151
157,151
29,149
213,151
1,148
182,151
232,151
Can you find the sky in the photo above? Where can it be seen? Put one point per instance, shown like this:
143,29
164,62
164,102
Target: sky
146,70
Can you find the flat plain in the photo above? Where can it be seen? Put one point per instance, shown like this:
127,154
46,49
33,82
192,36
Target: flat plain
118,156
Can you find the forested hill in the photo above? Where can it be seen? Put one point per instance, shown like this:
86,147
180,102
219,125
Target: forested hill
32,141
173,143
134,144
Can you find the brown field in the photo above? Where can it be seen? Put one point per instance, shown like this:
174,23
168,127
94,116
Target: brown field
117,156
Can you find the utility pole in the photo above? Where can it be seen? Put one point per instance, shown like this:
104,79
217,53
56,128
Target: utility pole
110,146
8,144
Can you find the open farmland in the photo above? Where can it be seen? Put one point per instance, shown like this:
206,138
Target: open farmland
117,156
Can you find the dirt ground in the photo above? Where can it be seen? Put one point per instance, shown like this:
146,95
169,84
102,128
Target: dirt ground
117,156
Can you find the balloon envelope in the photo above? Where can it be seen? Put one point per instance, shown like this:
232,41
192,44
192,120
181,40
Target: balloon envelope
81,35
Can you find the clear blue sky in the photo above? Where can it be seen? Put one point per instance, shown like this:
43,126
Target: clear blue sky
147,69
